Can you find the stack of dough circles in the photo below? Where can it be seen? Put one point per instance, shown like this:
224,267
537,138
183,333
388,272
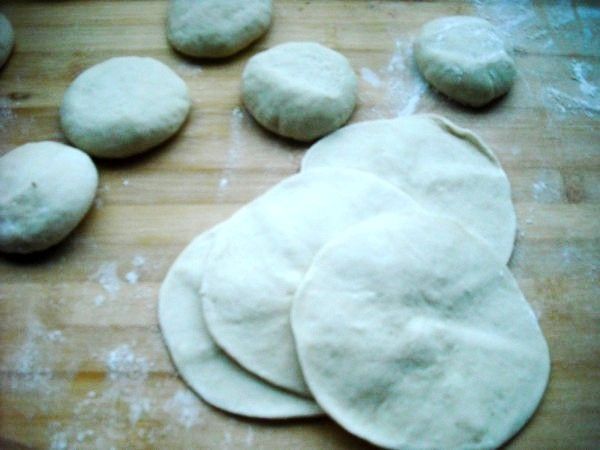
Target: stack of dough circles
448,170
372,286
300,90
124,106
411,334
207,369
7,39
216,28
465,58
261,253
46,188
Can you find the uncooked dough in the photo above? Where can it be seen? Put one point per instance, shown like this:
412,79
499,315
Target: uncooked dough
261,253
300,90
465,58
412,334
216,28
445,168
7,39
46,188
124,106
205,368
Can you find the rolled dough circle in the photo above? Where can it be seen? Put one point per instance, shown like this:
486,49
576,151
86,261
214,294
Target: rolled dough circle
205,368
124,106
261,253
448,170
216,28
300,90
7,39
412,334
46,188
465,58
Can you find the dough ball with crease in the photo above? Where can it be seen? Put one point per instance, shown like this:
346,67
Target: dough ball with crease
216,28
7,39
300,90
465,58
412,335
46,188
124,106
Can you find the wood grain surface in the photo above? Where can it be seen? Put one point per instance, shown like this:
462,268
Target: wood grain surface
82,363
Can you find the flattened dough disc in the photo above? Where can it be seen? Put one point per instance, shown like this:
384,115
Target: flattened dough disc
445,168
205,368
412,334
261,253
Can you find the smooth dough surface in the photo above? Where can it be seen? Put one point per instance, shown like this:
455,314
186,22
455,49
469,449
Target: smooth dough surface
216,28
45,190
413,335
261,253
205,368
464,58
124,106
300,90
448,170
7,39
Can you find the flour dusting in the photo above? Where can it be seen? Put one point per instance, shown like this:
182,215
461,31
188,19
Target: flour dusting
370,77
236,143
186,408
108,278
397,88
132,277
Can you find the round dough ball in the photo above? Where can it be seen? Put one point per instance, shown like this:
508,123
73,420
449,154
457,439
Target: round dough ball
124,106
413,335
216,28
45,190
7,39
448,170
262,252
465,58
204,367
299,90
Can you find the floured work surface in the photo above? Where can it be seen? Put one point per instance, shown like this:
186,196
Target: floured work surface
82,361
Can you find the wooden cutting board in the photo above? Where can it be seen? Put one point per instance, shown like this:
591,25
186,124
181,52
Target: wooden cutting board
82,364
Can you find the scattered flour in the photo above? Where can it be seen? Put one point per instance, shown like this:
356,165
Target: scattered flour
99,300
370,77
186,408
108,277
551,27
132,277
236,142
138,261
397,88
580,72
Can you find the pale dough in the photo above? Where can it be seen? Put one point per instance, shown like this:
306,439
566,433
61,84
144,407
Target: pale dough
124,106
204,367
216,28
261,253
412,334
46,188
465,58
445,168
7,39
300,90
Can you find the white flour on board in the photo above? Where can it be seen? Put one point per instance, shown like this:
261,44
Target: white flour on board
552,27
107,277
186,408
238,116
396,89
